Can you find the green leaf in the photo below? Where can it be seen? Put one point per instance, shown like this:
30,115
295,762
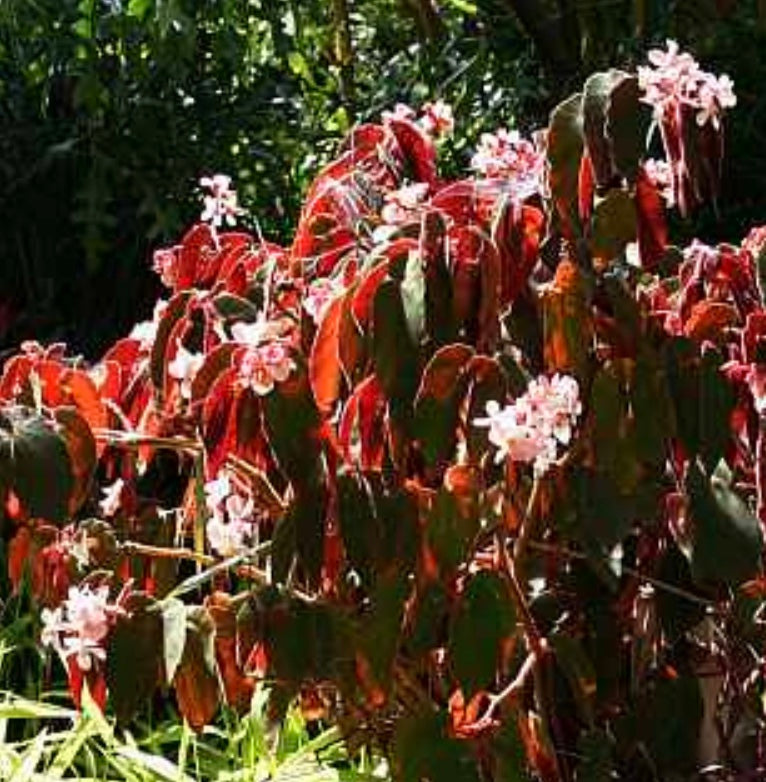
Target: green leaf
652,408
359,525
381,630
727,541
565,147
595,100
429,618
484,618
682,372
627,121
423,752
670,721
677,614
413,288
394,353
716,405
449,532
437,405
608,408
173,613
595,749
613,225
134,657
232,307
35,464
579,672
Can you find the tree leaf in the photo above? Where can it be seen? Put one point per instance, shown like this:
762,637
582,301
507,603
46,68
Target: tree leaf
727,540
134,656
35,464
484,617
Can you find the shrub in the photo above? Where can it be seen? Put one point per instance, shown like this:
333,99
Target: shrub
473,467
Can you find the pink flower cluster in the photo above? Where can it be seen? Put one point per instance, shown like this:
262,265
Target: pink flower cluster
220,202
263,365
402,205
230,526
79,626
320,294
436,119
184,368
676,79
661,176
531,428
506,155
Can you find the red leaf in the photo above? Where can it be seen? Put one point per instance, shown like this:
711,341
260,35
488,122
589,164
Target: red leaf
651,225
324,360
586,186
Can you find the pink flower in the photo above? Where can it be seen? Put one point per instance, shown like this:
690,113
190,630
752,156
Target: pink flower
401,112
262,366
321,293
257,332
221,202
661,176
165,263
112,499
676,78
79,626
437,119
531,428
505,154
230,526
184,367
146,330
402,205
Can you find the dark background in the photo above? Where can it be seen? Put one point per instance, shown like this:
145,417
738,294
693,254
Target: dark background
110,110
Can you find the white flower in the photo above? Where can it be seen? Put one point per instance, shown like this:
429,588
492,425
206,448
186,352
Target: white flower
184,367
531,428
221,202
110,503
437,119
260,367
402,205
321,293
506,155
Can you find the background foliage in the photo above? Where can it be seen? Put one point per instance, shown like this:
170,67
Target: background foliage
110,110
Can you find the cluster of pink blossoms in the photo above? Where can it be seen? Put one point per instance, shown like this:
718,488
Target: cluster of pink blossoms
506,155
676,79
184,368
79,626
531,428
661,176
319,295
436,119
230,526
220,201
263,365
402,205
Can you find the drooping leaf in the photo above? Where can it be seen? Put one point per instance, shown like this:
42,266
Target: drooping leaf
81,447
381,629
324,361
613,225
565,146
579,671
359,525
134,656
173,613
595,104
483,619
716,404
626,123
424,752
35,464
727,541
437,404
196,680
